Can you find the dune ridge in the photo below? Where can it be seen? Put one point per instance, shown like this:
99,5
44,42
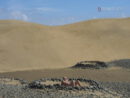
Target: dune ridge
28,46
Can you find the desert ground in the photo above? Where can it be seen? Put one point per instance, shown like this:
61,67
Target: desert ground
32,51
111,74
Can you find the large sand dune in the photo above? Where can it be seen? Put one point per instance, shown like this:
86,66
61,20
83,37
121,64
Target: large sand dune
27,46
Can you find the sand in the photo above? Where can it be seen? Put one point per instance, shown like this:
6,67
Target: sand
114,75
30,46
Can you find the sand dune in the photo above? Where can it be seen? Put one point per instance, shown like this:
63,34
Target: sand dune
27,46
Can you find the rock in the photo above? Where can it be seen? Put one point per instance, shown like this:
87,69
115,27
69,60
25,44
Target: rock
35,84
23,82
90,64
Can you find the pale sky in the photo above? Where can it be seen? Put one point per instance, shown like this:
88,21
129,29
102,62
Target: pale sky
59,12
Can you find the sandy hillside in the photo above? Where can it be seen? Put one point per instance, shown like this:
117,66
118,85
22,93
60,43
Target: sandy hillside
27,46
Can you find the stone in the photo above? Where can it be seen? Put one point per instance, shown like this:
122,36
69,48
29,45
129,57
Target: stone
90,64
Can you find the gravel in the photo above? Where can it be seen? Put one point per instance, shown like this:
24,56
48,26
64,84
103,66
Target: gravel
9,91
106,90
119,87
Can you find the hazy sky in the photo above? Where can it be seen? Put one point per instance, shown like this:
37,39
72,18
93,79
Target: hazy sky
57,12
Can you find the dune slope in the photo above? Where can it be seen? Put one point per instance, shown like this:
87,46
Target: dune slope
27,46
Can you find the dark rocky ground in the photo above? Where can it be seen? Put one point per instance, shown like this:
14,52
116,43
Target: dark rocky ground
124,63
96,90
10,91
119,87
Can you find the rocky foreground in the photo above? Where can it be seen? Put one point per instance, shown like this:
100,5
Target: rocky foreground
50,88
